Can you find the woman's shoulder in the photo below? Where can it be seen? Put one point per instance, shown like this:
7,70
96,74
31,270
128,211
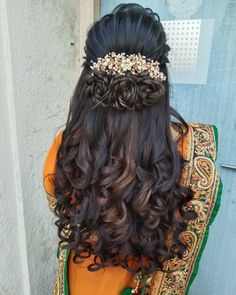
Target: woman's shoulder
201,137
196,125
49,163
205,139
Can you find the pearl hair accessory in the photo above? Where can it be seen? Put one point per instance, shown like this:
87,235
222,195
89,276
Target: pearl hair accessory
120,63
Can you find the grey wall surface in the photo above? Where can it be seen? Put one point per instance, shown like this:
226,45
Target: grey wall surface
39,69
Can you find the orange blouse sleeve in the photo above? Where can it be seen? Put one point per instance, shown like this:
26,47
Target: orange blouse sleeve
49,169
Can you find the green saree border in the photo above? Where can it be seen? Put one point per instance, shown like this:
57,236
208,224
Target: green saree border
61,286
58,252
214,213
216,138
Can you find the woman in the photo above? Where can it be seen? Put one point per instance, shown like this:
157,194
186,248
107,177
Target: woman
134,193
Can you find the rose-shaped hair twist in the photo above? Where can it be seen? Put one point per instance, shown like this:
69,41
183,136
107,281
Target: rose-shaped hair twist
123,91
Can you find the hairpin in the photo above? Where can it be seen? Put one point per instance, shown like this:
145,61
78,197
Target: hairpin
122,63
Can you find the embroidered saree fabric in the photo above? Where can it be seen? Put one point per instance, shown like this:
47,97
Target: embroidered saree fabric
200,147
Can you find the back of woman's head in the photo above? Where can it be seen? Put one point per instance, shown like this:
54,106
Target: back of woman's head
131,29
118,167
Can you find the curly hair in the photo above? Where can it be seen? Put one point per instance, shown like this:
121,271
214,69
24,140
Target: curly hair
117,171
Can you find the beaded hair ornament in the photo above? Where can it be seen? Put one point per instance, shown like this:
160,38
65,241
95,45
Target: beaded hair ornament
120,63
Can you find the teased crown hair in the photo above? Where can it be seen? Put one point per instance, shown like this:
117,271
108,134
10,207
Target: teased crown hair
120,63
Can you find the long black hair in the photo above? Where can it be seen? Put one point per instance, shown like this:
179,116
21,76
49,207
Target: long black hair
118,169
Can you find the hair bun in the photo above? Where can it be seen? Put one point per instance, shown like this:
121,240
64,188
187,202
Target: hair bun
123,91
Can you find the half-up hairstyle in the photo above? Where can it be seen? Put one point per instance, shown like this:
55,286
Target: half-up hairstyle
118,167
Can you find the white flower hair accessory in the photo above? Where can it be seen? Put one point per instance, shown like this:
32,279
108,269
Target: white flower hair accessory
120,63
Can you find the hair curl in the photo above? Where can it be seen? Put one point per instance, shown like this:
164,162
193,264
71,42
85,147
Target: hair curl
117,172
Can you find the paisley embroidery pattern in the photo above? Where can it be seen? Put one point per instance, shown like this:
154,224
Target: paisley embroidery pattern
200,148
207,185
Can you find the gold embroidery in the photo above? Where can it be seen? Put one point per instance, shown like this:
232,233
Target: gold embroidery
59,278
204,179
59,282
205,166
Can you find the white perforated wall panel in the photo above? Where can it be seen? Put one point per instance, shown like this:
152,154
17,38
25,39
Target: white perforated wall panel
190,42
